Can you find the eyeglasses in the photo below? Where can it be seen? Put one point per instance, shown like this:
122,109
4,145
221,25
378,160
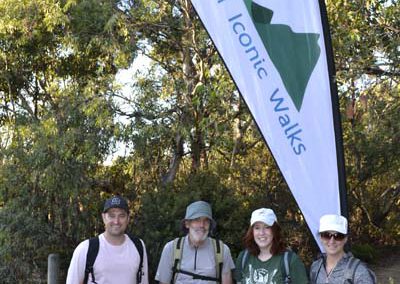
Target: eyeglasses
336,236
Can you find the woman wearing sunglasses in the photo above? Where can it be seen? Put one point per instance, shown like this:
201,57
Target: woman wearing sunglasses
336,266
265,259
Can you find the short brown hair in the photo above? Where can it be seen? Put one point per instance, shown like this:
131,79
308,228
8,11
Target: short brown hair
277,247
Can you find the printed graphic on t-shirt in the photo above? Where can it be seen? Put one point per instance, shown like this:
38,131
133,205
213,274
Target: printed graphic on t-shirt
261,276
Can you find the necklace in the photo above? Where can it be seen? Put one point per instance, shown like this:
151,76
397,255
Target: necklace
328,274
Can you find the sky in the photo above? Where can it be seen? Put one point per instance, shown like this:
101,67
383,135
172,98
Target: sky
125,79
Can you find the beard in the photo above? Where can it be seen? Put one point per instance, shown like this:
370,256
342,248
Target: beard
198,236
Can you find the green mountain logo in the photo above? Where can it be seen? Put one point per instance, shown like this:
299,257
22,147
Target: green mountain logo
294,55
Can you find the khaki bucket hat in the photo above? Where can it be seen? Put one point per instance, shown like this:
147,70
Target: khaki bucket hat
196,210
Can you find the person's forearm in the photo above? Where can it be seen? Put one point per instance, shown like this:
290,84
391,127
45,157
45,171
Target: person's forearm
226,278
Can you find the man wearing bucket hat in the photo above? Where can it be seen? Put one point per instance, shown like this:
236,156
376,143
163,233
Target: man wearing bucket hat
336,266
196,258
113,256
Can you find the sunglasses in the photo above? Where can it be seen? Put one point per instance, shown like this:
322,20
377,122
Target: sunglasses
336,236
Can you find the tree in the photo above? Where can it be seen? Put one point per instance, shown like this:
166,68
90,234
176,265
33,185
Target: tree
189,129
58,61
186,103
366,42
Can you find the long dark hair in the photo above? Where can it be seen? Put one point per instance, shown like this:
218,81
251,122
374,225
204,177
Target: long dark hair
277,246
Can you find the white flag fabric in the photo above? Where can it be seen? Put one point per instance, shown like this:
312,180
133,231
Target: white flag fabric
276,55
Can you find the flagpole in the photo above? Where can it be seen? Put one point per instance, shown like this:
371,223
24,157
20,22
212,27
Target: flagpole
335,111
243,36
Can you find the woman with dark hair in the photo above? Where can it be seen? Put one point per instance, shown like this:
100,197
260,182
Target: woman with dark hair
265,259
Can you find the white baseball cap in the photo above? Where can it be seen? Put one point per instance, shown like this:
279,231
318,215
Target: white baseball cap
332,222
265,215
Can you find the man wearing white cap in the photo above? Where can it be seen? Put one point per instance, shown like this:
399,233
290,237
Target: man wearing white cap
196,258
336,266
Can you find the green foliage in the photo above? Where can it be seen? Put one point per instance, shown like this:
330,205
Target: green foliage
164,208
371,136
56,127
366,47
366,44
47,173
159,218
192,136
365,252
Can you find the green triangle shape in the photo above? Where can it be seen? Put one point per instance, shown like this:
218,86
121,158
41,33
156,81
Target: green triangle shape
294,55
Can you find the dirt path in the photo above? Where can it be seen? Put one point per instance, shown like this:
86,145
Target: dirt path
388,270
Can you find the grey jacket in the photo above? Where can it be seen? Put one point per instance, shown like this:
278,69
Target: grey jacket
318,271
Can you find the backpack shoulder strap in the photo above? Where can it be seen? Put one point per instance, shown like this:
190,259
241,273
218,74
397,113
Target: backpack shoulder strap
219,257
91,255
287,256
350,270
139,246
178,251
314,272
244,258
373,276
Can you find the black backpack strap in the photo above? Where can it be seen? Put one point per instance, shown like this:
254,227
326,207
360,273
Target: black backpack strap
198,276
139,246
314,273
219,257
350,270
177,254
373,276
91,255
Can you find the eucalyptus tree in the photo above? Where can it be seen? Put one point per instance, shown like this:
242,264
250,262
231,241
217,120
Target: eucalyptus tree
58,60
372,133
187,120
186,103
366,43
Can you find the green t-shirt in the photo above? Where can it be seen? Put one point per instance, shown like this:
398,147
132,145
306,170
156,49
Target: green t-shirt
271,271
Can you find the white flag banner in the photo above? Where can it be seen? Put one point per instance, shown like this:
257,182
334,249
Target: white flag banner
275,52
